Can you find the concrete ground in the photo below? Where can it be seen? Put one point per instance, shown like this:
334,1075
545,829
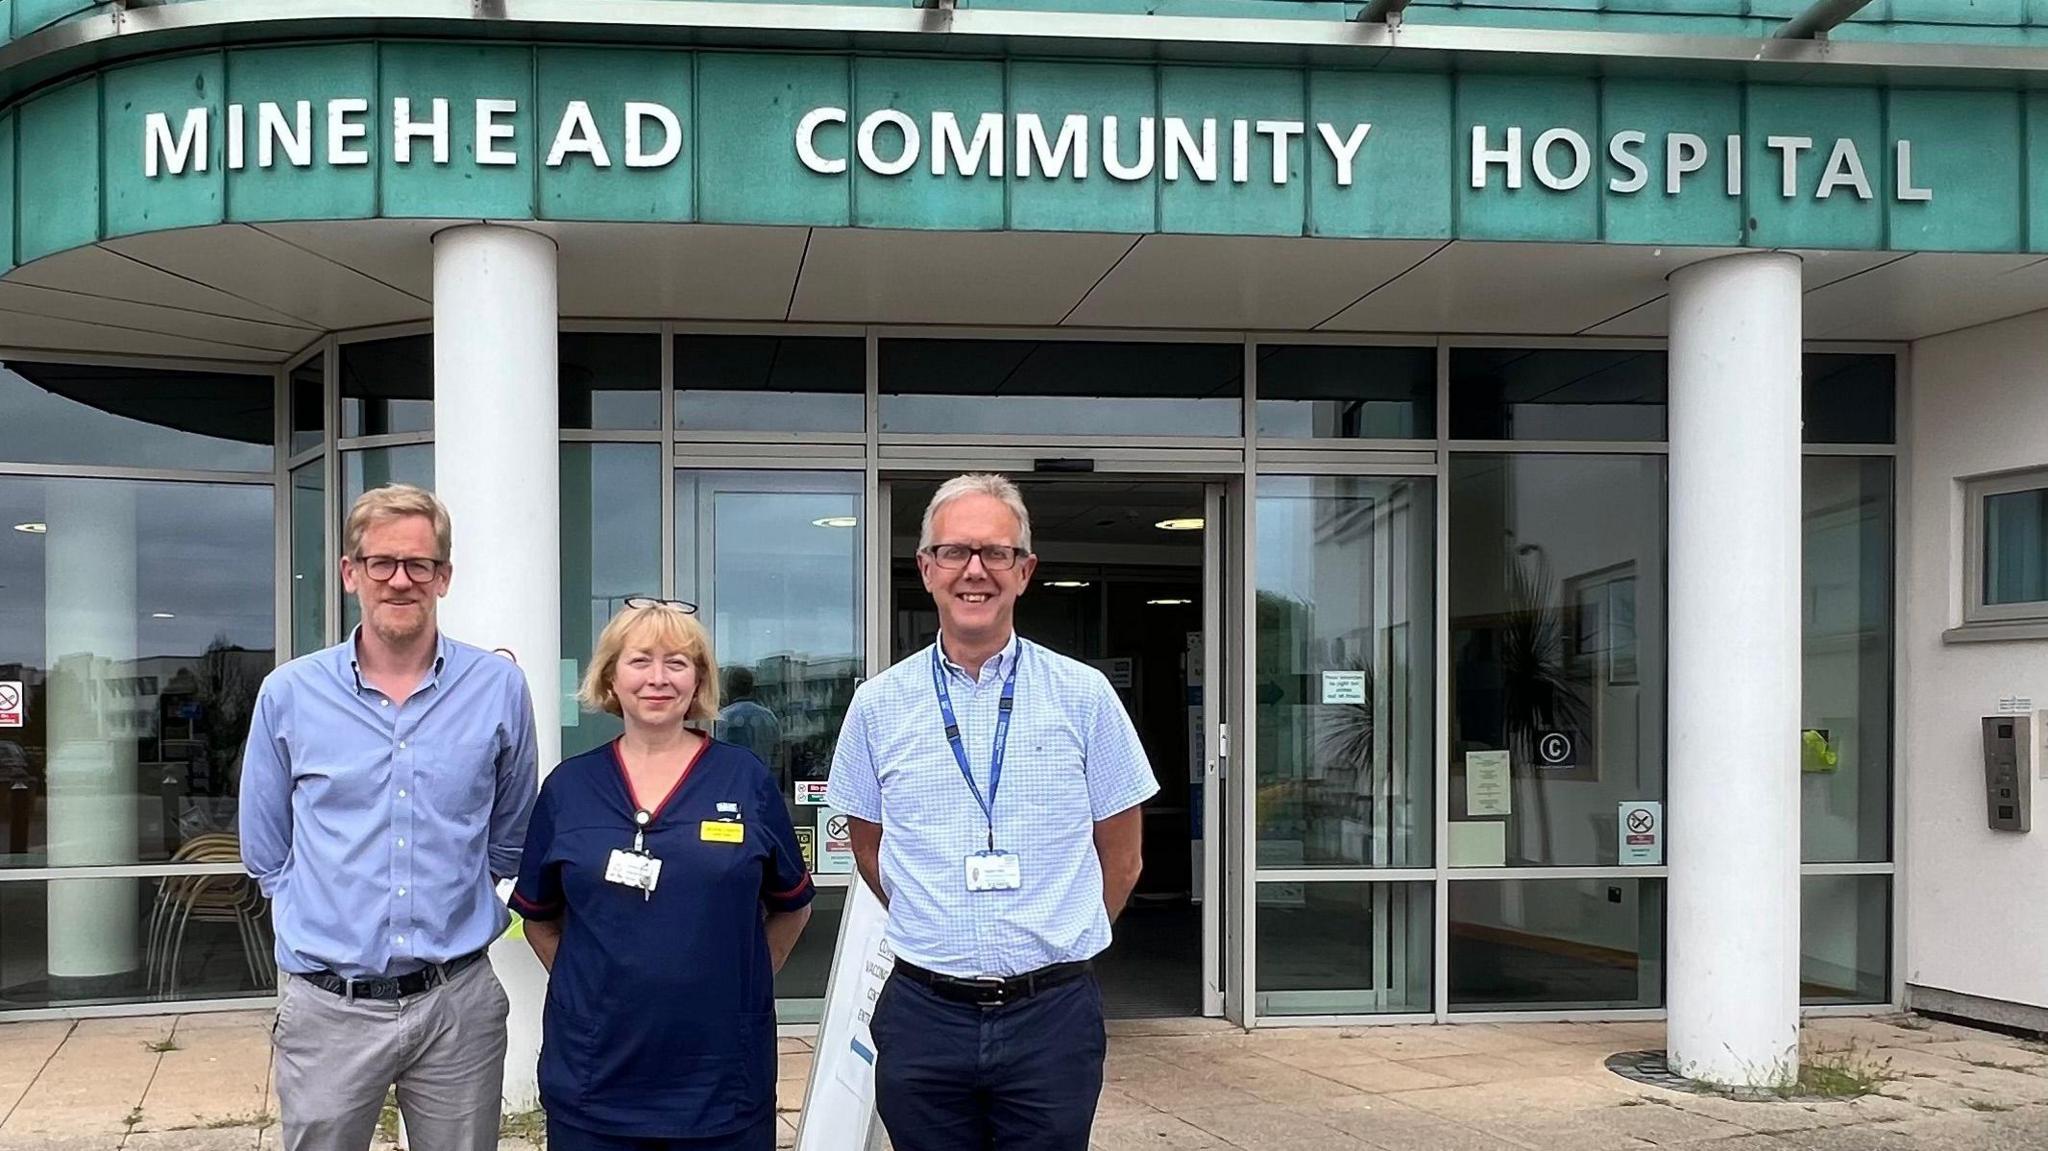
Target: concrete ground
202,1083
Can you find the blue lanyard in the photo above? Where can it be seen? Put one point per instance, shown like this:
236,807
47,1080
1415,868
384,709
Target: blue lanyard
1004,708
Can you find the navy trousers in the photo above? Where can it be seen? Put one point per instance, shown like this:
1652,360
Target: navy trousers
956,1077
565,1137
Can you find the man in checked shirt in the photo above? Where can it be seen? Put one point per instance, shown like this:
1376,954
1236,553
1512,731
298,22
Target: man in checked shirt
387,782
993,790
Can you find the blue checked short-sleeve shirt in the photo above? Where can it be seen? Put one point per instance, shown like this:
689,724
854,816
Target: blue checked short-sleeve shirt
1073,759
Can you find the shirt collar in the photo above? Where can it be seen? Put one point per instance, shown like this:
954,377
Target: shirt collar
997,664
355,663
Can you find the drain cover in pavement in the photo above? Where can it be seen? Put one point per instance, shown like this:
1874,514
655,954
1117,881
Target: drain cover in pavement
1648,1067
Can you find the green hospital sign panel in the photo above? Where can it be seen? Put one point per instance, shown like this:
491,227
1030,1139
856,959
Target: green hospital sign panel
458,130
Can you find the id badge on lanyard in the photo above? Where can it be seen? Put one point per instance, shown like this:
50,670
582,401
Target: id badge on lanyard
989,870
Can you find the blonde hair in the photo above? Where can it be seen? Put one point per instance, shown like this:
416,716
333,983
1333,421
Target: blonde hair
653,626
978,484
392,502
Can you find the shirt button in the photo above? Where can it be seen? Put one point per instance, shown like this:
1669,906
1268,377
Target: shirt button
401,793
401,843
383,703
401,745
401,891
398,939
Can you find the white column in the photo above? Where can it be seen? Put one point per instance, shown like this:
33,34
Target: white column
1734,659
94,784
496,466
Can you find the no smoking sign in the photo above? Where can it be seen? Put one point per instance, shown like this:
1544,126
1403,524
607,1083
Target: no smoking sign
1642,833
11,707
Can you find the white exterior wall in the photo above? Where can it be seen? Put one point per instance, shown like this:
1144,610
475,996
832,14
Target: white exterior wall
1976,900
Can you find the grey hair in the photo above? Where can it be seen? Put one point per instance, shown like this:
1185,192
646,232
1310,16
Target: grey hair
978,484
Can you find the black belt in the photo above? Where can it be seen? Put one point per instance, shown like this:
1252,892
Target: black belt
394,987
994,990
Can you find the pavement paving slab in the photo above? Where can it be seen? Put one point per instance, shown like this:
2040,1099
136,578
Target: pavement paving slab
94,1083
209,1075
27,1048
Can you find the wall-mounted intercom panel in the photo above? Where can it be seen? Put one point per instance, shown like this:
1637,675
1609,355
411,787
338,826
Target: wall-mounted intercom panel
2009,771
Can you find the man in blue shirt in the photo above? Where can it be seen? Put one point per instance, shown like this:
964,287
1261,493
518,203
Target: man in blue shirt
992,789
386,784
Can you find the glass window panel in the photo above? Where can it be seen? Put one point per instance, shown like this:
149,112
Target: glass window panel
136,417
140,621
773,561
1557,394
611,504
1061,388
373,468
387,386
800,985
1846,698
1344,948
1845,939
1328,391
309,404
610,379
1557,630
81,942
1556,944
309,558
771,384
2016,547
1849,399
1346,675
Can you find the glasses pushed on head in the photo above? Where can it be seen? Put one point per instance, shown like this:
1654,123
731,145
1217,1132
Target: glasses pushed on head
643,602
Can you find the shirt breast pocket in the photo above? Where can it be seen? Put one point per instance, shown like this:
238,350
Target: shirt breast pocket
1046,764
459,776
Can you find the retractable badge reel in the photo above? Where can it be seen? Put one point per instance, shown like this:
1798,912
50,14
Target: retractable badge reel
635,868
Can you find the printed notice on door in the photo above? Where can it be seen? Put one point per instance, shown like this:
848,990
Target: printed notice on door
1489,788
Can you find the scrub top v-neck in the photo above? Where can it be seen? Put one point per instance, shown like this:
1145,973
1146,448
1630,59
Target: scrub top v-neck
660,1016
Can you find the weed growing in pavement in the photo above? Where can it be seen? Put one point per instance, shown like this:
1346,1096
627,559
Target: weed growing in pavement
162,1045
531,1126
1825,1073
1986,1105
134,1117
259,1120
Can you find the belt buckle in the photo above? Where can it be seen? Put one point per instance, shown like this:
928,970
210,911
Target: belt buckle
990,990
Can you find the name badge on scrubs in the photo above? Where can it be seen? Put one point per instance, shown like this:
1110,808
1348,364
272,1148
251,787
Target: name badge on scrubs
633,869
722,831
994,871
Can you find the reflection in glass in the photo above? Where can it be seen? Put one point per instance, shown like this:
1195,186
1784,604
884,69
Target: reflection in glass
1845,939
136,417
369,468
1061,388
309,558
611,548
1344,948
387,386
140,624
1559,944
771,383
1345,692
2016,547
1846,669
1849,399
773,561
800,985
159,938
1557,394
1336,391
610,379
1557,649
307,390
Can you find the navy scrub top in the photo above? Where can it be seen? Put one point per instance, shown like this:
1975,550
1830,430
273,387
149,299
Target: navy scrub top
660,1016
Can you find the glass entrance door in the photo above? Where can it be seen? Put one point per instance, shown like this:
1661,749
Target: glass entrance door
1127,583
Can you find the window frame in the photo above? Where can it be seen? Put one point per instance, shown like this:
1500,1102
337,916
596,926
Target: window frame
1976,495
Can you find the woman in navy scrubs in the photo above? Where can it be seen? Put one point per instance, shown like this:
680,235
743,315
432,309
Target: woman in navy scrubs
662,887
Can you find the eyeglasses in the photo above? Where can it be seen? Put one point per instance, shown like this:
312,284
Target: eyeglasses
994,557
681,605
417,568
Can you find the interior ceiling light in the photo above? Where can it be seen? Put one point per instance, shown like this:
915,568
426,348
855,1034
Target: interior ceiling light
162,615
836,522
1169,602
34,529
1067,583
1184,524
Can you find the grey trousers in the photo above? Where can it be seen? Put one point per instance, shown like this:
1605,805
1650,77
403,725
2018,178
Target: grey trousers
444,1050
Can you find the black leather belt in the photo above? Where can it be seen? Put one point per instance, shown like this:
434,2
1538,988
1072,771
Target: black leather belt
993,990
395,987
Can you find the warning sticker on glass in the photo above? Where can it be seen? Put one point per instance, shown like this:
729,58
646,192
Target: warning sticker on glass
13,704
1642,833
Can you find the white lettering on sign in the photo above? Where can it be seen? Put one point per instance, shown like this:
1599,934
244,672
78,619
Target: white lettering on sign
890,142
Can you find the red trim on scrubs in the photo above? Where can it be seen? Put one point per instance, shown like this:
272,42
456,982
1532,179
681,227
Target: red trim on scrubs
654,813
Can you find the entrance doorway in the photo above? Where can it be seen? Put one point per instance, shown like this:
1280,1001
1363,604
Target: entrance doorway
1122,584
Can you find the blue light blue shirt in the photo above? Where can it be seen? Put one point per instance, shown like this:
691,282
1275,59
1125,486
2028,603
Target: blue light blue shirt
376,828
1073,759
